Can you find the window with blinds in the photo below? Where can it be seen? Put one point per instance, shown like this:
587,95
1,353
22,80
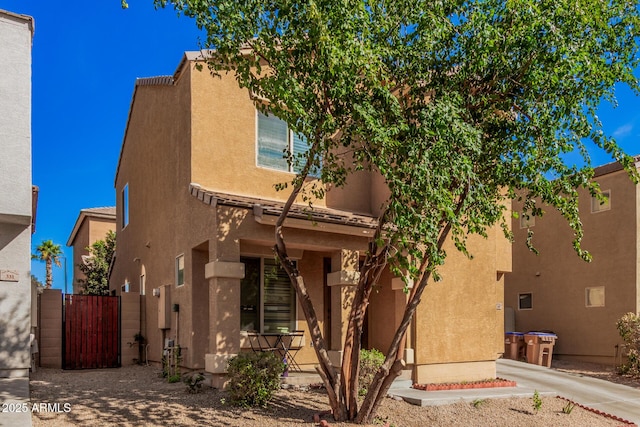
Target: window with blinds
275,139
267,300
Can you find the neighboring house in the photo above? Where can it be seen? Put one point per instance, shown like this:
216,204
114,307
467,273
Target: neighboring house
196,206
17,195
580,301
92,225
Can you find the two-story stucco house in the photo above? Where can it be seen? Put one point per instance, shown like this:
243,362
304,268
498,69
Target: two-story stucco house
196,206
17,196
558,291
92,225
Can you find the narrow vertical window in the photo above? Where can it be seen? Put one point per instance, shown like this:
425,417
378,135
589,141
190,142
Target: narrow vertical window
125,205
143,285
180,270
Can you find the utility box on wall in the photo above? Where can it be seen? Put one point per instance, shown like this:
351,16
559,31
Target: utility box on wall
164,307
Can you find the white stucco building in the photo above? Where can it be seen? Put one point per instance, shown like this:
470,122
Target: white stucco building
17,196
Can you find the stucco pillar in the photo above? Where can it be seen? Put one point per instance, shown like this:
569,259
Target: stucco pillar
342,280
224,276
400,302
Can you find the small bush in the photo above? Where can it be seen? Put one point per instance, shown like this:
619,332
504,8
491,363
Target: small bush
370,362
254,378
193,382
568,408
537,401
629,328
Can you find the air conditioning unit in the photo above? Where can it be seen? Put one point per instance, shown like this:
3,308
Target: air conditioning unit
156,292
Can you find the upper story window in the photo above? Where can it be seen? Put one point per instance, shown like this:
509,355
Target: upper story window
180,270
594,297
527,221
598,206
274,140
124,203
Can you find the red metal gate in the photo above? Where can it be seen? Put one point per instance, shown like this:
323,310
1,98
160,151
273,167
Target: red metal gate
91,332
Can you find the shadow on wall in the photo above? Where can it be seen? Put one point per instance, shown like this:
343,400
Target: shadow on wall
15,324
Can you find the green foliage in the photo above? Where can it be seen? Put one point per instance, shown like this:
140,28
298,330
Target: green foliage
629,328
171,360
254,378
50,253
459,107
96,266
194,382
370,362
568,408
537,401
477,403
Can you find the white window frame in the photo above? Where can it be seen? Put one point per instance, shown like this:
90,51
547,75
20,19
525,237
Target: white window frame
587,299
143,284
261,298
124,209
179,258
290,146
597,207
520,295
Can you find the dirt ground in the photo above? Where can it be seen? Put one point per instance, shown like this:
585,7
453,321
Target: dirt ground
138,396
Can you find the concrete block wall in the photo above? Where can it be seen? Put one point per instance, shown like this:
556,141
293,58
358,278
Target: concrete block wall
50,329
129,327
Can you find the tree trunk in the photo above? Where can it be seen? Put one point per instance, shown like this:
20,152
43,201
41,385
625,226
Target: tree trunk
392,366
49,268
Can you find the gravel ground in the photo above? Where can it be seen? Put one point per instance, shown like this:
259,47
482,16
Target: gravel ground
137,396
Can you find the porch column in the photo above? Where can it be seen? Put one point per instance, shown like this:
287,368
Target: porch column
224,276
342,280
400,303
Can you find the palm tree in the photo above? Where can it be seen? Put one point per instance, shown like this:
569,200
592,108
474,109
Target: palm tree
49,253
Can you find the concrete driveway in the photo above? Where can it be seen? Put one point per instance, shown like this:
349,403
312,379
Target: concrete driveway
615,399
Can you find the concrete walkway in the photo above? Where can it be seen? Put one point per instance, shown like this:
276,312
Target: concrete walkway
614,399
14,399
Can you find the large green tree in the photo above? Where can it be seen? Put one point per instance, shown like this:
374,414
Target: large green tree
459,106
50,253
95,266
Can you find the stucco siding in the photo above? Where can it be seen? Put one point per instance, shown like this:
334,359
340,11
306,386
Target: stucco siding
557,278
16,33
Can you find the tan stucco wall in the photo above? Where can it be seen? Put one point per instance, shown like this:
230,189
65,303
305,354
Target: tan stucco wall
50,329
557,278
460,317
224,121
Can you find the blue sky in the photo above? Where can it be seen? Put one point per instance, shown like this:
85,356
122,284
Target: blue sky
86,57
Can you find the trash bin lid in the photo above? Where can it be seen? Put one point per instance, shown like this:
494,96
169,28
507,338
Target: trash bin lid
542,334
514,333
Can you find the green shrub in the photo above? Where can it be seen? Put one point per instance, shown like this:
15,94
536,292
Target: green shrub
193,382
254,378
370,362
629,328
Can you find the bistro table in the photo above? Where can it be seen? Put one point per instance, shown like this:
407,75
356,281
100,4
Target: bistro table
282,342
